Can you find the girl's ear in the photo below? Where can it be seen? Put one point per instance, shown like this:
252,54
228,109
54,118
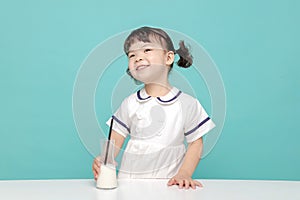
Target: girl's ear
170,58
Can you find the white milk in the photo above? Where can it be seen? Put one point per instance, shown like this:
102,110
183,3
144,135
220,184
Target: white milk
107,178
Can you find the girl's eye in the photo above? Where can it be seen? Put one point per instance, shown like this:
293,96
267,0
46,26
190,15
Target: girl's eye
147,50
130,55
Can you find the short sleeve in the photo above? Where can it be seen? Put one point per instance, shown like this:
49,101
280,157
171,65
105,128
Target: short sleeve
121,119
197,122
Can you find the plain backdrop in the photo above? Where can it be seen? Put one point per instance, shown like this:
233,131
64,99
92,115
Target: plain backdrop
255,45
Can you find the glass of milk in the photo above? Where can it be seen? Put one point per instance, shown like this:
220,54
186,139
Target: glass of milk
107,178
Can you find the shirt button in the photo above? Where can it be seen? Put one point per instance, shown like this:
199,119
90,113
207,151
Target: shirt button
159,133
139,116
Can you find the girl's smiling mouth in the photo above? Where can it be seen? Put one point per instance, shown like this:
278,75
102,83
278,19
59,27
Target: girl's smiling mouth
140,67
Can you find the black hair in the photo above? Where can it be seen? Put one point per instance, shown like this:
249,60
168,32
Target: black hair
148,34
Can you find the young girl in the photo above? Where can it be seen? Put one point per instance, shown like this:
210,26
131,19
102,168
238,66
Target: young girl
159,117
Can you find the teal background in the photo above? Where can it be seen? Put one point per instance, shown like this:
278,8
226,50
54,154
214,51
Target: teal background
255,45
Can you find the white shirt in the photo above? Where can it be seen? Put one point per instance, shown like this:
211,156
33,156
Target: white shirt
158,127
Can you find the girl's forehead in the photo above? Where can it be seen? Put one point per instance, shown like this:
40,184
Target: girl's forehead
142,45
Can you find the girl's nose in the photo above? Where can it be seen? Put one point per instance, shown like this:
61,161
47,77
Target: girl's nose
138,58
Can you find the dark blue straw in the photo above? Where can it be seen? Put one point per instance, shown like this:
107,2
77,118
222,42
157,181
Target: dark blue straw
108,142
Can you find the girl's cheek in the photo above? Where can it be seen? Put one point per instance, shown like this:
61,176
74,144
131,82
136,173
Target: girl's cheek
131,68
130,62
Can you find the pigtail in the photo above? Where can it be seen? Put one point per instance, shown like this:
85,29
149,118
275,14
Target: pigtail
186,59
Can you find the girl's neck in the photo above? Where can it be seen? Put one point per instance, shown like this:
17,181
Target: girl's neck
157,90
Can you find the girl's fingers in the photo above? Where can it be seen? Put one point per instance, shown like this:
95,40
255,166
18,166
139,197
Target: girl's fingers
97,162
180,183
197,183
193,184
96,168
95,171
95,175
186,184
172,181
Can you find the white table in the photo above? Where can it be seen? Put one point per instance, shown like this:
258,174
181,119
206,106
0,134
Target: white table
140,189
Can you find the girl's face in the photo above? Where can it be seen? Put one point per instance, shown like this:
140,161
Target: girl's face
149,62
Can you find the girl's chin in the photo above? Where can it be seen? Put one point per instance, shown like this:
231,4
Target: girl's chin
147,77
149,81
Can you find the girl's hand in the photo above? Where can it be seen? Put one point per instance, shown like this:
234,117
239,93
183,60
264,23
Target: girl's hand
183,180
96,167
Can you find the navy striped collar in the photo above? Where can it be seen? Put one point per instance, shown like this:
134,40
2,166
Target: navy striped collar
169,98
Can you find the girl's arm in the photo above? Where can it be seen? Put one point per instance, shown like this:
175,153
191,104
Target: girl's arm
190,162
119,140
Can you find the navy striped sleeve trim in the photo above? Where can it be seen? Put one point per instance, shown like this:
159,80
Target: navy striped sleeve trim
198,126
166,101
121,123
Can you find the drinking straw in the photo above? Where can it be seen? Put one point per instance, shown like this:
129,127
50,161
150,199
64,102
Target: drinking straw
108,142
